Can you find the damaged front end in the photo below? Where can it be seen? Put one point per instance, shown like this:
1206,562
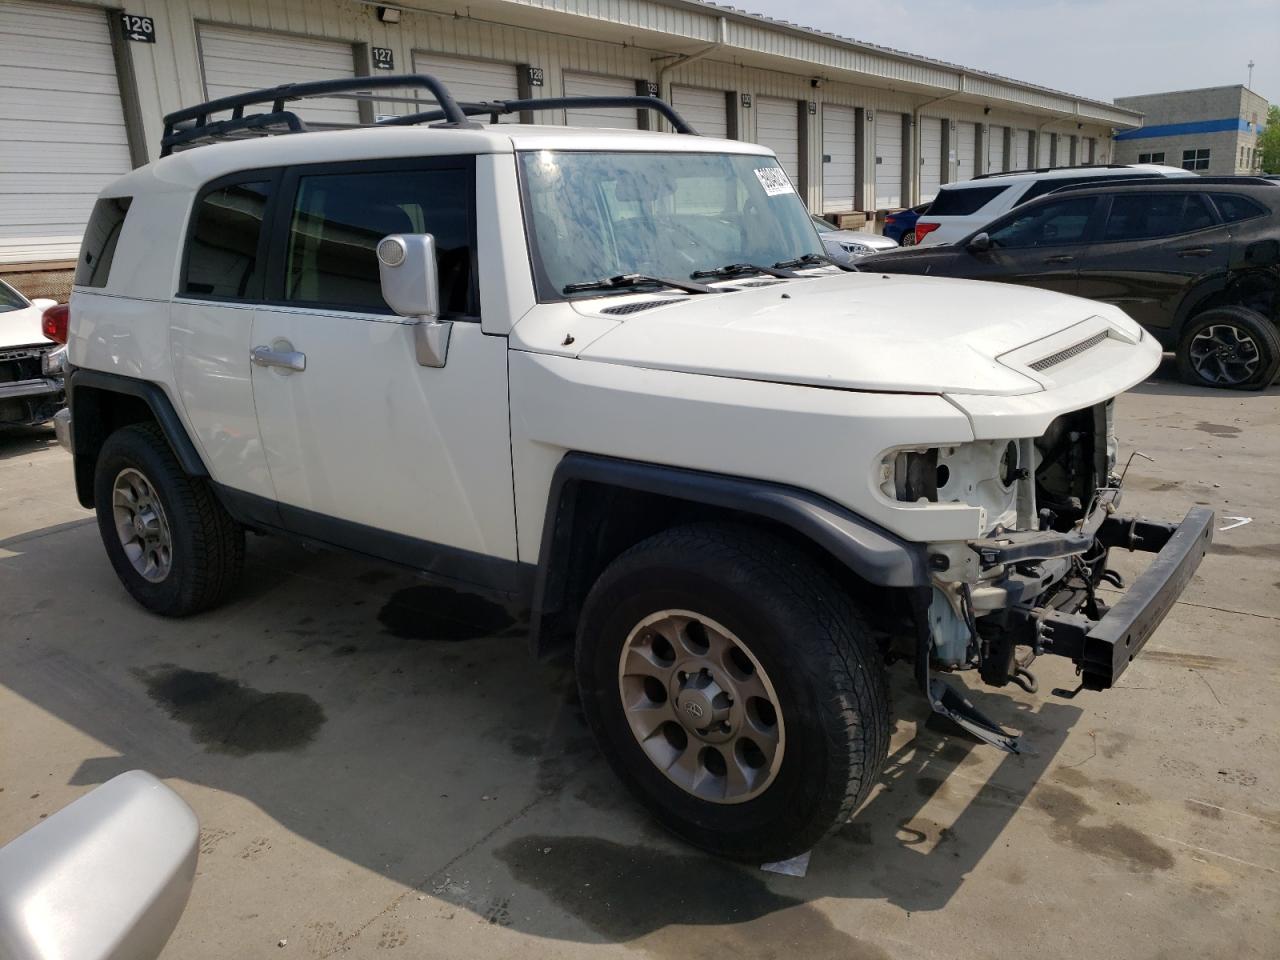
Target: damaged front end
1030,586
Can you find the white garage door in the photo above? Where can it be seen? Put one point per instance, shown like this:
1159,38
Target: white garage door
966,151
1022,159
995,151
778,128
1044,157
592,85
471,81
930,157
707,111
62,130
839,158
237,60
888,160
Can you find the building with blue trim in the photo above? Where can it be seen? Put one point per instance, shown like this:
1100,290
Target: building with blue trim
1213,130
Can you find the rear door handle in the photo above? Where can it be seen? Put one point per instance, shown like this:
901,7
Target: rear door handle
1195,252
1064,258
284,359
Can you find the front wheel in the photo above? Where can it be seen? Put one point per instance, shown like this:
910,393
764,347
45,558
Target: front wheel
171,543
734,688
1231,347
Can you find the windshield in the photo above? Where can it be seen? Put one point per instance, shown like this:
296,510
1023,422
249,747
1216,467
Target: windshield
596,215
10,299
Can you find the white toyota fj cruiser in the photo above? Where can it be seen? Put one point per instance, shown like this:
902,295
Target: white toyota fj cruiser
610,377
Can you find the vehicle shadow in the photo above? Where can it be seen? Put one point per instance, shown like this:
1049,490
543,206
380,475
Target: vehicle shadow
403,728
23,441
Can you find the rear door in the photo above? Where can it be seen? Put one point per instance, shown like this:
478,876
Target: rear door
1040,246
1153,249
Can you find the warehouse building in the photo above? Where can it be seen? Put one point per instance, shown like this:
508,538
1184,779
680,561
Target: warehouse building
858,127
1213,130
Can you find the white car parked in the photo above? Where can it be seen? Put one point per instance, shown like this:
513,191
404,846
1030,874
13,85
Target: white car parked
849,246
961,208
30,362
610,377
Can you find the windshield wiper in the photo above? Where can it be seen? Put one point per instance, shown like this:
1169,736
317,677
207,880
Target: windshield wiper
740,269
637,280
811,260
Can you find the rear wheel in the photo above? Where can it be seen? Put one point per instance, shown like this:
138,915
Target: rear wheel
1230,347
908,238
734,689
173,546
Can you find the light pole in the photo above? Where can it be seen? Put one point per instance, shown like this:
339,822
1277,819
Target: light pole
1250,83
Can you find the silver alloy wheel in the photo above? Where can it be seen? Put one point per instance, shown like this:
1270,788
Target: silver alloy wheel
701,706
141,525
1223,353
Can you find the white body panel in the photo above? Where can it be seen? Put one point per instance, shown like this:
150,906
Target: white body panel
62,129
706,110
593,85
778,128
236,60
930,157
839,158
22,327
888,159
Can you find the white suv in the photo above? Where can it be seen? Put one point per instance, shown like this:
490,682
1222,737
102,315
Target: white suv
609,377
961,208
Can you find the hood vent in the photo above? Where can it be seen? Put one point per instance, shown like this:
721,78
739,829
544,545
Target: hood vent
636,307
1072,351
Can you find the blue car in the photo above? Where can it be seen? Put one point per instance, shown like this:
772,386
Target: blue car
901,226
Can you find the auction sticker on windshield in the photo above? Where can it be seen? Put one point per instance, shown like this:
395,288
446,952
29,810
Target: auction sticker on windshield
774,181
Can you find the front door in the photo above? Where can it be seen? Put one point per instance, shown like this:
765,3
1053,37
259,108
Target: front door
1041,246
366,448
1154,248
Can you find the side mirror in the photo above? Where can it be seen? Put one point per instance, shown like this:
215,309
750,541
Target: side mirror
411,287
104,878
980,243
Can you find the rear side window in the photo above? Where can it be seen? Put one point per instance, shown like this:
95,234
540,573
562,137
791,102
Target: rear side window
1146,216
223,258
962,202
99,245
1234,209
339,219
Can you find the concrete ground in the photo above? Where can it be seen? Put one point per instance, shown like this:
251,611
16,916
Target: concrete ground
377,766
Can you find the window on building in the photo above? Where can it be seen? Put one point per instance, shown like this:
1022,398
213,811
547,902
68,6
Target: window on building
1049,225
1157,157
339,219
1195,159
1145,216
222,255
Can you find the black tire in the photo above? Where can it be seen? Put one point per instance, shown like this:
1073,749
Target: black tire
207,554
810,641
908,238
1249,327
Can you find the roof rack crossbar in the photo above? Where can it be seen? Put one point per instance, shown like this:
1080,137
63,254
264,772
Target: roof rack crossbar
496,108
188,122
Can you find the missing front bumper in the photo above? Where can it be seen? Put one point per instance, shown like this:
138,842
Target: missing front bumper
1102,649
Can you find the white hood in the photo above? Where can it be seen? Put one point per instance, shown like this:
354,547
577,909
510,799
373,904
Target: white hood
21,328
857,331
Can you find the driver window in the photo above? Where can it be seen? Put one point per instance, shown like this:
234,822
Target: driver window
1049,225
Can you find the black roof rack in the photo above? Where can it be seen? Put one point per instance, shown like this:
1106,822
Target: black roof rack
193,125
1155,181
1083,166
497,108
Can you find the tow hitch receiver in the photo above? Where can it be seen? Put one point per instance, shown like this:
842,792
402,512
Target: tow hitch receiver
1102,649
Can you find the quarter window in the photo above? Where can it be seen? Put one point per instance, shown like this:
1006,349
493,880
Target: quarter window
1146,216
1195,159
963,201
1235,209
99,245
1051,224
339,219
223,259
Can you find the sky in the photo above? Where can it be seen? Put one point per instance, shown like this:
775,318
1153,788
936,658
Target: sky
1094,48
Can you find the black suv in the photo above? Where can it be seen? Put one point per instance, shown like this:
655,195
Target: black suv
1196,262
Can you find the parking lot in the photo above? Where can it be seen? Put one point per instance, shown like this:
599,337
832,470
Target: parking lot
377,765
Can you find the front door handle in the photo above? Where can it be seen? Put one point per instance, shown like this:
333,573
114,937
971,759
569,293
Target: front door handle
284,359
1195,252
1064,258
